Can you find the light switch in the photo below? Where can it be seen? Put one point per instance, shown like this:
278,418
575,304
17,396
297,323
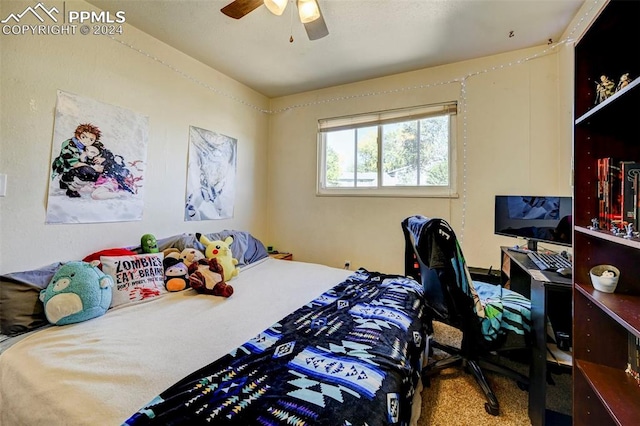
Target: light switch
3,184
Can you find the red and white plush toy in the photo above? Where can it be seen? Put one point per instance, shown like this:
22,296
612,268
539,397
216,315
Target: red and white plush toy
207,277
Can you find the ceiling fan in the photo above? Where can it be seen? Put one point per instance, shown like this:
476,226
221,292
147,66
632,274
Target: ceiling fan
308,10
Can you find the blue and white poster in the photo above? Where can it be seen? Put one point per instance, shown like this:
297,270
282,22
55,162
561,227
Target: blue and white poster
211,175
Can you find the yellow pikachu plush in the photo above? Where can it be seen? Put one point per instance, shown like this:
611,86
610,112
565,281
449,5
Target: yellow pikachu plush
222,252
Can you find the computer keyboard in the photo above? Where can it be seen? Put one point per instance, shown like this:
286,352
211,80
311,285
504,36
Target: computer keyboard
549,261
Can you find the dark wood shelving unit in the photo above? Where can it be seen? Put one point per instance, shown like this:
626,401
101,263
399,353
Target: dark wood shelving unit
603,393
607,235
625,310
621,97
611,384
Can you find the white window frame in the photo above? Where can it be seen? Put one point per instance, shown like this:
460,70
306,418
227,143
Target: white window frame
385,117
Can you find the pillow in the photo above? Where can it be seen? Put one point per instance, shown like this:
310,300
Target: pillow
135,277
20,307
248,249
245,247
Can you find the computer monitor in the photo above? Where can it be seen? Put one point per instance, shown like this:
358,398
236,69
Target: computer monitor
534,218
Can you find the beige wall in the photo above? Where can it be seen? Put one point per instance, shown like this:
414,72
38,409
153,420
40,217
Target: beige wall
516,143
33,68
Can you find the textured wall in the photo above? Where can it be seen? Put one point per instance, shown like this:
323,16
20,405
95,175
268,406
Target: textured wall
34,67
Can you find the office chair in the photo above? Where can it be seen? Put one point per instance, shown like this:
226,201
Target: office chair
433,256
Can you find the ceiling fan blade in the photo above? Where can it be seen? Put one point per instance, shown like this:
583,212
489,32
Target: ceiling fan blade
316,29
239,8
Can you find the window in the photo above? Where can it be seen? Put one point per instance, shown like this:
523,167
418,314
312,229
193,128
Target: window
404,152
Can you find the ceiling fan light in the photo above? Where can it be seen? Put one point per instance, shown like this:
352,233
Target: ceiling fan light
308,11
276,6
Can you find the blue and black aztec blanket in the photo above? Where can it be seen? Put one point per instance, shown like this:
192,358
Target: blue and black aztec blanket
352,356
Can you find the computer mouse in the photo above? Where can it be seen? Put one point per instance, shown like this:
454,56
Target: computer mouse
565,272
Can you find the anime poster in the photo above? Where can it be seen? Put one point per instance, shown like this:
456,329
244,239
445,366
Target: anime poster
211,175
97,162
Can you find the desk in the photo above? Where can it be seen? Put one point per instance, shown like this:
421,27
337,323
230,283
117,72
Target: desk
550,295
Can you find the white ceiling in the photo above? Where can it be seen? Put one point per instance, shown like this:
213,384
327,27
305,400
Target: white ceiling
367,38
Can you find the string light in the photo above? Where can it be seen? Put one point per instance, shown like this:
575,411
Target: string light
191,78
462,101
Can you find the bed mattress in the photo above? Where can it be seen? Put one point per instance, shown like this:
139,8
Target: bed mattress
104,370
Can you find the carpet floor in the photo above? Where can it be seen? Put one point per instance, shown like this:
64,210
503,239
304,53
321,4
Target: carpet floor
454,397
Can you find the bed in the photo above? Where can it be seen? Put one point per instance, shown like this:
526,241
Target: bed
145,362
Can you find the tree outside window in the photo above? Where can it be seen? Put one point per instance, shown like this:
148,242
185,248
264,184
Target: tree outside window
403,154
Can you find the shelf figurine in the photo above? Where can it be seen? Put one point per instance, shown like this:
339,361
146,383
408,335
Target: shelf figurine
629,231
595,224
604,89
624,82
630,371
615,230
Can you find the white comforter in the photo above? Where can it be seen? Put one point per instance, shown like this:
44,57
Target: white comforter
101,371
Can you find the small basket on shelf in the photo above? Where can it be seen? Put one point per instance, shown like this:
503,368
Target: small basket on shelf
604,278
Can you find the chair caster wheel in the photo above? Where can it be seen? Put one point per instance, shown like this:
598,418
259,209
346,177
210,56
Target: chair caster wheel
523,386
494,411
426,381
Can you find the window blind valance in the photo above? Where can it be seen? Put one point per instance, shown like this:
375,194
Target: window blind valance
386,117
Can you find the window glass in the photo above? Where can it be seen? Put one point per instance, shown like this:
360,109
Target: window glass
399,152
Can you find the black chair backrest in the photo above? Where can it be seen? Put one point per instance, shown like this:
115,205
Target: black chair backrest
433,256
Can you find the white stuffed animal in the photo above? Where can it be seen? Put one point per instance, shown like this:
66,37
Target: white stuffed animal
189,256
